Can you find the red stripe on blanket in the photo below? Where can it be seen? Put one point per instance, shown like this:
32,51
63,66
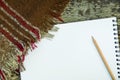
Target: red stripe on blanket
2,75
14,41
19,18
21,58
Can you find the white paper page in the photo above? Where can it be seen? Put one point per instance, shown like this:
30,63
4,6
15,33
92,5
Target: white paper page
71,54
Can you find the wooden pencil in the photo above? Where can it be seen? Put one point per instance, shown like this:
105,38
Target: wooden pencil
103,58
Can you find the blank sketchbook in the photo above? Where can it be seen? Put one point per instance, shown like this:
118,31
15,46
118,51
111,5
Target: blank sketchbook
71,54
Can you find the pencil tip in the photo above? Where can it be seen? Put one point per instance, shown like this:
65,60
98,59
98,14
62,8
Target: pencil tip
92,37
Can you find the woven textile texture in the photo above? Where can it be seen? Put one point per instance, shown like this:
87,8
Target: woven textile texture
22,24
